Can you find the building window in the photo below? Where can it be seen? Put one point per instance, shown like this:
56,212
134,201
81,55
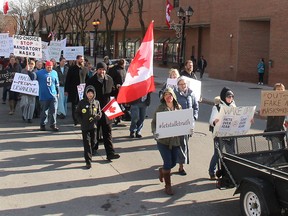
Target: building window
176,3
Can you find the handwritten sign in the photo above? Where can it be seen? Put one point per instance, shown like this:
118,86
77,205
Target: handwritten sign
274,103
174,123
195,86
6,78
70,53
54,50
4,44
23,84
27,46
234,121
81,89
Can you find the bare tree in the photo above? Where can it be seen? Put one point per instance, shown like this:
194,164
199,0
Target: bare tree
83,13
108,7
22,12
140,4
125,7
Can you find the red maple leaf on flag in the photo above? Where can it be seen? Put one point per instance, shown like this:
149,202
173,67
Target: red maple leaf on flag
112,109
136,64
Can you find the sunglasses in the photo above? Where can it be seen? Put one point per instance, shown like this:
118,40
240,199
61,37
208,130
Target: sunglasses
230,96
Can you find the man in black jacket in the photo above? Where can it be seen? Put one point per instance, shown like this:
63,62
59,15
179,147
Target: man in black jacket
104,87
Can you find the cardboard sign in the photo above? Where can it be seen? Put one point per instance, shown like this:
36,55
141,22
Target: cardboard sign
27,46
81,89
174,123
274,103
4,44
23,84
195,86
6,78
234,121
70,53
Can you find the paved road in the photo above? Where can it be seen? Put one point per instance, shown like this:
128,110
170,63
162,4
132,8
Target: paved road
42,173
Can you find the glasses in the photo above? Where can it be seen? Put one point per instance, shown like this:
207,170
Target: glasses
181,83
230,96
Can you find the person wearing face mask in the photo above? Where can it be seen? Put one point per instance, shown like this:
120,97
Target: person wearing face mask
226,100
186,98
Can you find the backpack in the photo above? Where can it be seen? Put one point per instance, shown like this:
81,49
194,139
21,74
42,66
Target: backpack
211,128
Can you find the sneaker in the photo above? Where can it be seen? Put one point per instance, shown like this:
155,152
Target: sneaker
182,172
88,166
62,116
113,156
259,83
29,121
54,128
42,128
138,135
131,135
3,102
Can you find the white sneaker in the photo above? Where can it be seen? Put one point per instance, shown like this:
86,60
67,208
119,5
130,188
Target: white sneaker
259,83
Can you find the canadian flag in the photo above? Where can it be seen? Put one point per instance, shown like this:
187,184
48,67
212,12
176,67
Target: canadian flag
169,8
139,80
5,7
112,109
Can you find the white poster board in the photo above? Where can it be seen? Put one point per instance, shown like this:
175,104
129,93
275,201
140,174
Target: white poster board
80,89
11,46
174,123
234,121
63,43
54,50
45,52
195,86
172,83
70,53
23,84
4,44
27,46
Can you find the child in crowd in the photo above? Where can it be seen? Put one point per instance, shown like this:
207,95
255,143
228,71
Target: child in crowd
88,112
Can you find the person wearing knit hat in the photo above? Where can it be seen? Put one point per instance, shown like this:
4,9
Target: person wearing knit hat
104,88
168,147
226,100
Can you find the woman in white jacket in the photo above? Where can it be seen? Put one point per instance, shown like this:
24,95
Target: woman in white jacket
226,99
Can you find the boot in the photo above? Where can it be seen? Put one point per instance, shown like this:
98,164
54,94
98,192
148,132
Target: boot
11,107
167,179
160,174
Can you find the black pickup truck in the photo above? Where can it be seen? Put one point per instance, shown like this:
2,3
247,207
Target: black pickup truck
257,166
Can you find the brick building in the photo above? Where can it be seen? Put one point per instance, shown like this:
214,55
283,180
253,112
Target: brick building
231,35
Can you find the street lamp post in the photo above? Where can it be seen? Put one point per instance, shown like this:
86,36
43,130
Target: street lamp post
95,23
183,15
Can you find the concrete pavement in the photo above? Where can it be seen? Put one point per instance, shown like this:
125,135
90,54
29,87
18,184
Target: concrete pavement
42,173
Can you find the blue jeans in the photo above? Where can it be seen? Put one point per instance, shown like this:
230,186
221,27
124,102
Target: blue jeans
168,155
48,111
214,159
138,113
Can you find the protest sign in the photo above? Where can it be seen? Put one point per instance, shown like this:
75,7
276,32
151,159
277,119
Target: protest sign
4,44
174,123
45,52
27,46
23,84
195,86
172,83
54,50
80,89
274,103
233,121
6,78
70,53
63,43
11,46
